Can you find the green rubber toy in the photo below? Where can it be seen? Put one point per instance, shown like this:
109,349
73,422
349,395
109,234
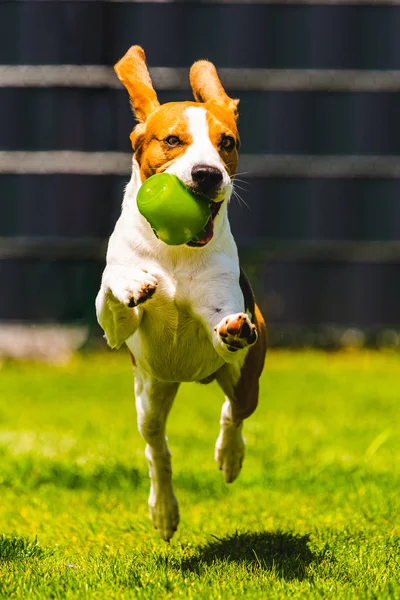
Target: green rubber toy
176,215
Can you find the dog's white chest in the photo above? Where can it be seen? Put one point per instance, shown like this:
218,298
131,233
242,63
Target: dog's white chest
172,343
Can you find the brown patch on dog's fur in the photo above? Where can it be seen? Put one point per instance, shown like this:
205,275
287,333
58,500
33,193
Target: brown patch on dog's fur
208,379
248,294
246,391
207,86
245,396
133,73
222,121
243,391
132,358
151,151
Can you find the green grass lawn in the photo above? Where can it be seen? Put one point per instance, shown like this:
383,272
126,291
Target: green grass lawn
314,513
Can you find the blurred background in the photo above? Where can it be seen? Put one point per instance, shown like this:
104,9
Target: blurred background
319,227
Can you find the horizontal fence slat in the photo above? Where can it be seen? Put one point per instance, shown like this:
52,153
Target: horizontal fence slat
52,248
323,252
65,161
276,2
239,79
83,249
290,165
255,165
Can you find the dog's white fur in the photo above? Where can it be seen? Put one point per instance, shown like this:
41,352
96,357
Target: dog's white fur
174,335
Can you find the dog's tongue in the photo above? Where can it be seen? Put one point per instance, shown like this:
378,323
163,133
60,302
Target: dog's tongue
208,233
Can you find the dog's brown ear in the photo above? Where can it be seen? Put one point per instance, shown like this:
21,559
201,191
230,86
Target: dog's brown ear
133,73
206,85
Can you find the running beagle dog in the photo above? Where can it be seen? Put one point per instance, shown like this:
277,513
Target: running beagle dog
186,313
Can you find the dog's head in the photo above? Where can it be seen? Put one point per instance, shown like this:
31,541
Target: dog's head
196,141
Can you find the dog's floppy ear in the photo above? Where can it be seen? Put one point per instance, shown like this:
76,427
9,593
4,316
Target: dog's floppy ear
133,73
207,86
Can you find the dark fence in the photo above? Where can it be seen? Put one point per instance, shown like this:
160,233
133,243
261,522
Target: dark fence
319,88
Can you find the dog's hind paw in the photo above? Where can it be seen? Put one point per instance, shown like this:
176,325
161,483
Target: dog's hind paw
229,454
164,513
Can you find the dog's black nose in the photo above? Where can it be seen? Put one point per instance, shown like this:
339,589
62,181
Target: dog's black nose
206,178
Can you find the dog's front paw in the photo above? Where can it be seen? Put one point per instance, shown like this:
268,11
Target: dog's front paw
137,290
236,332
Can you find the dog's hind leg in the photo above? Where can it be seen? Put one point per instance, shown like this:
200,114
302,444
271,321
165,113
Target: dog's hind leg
229,449
153,402
240,382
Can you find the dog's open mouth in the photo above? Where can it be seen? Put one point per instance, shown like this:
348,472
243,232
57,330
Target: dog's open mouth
209,228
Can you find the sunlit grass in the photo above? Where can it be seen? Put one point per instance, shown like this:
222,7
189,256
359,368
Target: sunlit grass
315,512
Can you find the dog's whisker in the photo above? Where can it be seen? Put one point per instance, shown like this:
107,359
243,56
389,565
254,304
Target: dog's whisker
234,196
239,187
241,181
240,200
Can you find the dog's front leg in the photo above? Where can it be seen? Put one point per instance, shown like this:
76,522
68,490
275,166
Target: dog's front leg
220,304
153,403
123,291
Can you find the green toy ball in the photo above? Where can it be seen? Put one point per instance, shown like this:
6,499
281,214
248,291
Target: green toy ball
176,215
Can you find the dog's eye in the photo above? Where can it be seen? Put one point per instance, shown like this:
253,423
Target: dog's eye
227,143
172,141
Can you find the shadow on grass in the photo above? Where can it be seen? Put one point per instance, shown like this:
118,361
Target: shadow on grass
286,554
18,548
